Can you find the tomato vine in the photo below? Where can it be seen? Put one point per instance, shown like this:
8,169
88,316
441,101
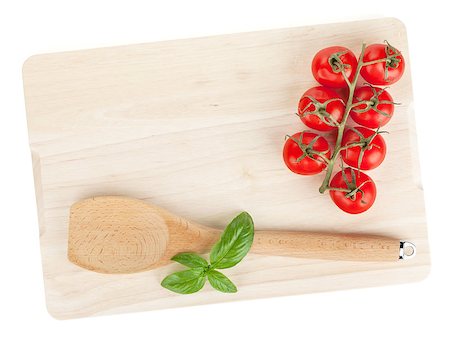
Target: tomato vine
323,109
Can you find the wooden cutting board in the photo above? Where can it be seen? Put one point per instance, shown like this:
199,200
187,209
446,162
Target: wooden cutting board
197,127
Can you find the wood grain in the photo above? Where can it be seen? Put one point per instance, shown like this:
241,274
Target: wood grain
197,127
326,246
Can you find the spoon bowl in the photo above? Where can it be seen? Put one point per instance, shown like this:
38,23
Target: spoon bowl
115,234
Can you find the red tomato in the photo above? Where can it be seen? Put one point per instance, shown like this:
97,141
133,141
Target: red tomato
321,108
367,156
329,64
384,72
377,111
302,153
359,191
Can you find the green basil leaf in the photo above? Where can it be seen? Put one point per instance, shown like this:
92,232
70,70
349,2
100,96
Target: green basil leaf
221,282
185,282
234,243
190,260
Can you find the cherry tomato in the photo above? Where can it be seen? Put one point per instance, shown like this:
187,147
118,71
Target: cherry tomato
304,151
321,108
378,109
384,72
329,63
359,191
367,156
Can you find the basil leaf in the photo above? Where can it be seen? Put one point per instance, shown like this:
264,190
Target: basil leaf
185,282
234,243
190,260
221,282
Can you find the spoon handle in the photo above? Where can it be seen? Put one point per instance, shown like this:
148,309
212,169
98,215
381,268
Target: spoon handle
327,246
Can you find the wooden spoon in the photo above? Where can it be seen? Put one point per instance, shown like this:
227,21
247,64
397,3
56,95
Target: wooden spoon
116,234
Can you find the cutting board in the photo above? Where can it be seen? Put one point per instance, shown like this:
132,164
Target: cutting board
197,127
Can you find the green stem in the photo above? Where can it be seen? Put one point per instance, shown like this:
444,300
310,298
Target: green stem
320,154
382,60
340,189
351,145
351,87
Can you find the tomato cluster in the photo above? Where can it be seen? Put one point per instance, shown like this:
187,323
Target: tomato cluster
325,108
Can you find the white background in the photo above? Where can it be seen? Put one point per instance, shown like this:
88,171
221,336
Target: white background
411,311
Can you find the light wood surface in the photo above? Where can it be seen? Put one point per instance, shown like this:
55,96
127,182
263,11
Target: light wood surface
123,235
197,127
